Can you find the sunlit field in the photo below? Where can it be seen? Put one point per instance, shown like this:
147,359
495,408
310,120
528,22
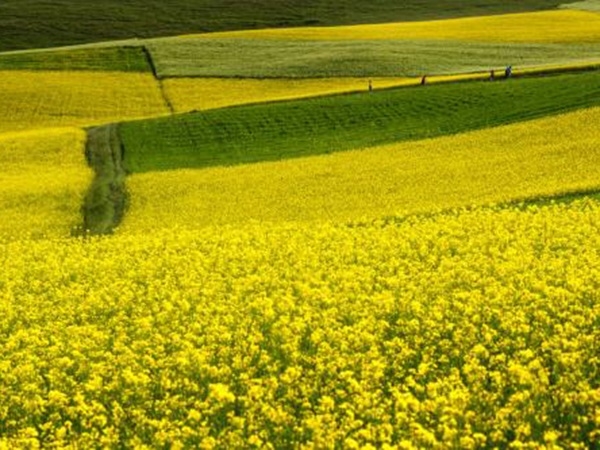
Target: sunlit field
307,236
564,26
43,181
189,94
465,329
536,158
38,99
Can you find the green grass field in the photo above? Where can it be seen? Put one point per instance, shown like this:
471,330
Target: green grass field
39,23
586,5
305,59
126,59
324,125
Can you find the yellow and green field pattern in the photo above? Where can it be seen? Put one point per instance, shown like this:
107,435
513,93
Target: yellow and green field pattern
467,329
543,157
563,26
43,181
188,94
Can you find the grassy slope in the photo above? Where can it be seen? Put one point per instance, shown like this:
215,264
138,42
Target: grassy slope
39,23
586,5
347,58
547,156
316,126
127,59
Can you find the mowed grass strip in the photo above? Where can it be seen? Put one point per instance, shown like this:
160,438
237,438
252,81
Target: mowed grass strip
561,26
39,23
296,58
36,99
291,129
542,157
126,59
43,181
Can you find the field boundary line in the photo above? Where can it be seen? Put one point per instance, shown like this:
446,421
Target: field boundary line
152,65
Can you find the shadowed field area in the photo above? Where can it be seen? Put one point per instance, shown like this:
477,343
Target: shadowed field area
39,23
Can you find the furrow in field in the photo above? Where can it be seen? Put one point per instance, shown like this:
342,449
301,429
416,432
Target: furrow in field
106,200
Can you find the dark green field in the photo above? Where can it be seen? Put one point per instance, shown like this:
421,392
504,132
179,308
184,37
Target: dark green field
353,58
128,59
329,124
41,23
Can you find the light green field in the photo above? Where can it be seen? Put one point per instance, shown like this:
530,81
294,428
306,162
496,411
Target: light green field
586,5
347,58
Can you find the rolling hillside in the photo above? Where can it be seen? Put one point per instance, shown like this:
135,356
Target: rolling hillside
38,23
314,126
39,99
530,159
277,237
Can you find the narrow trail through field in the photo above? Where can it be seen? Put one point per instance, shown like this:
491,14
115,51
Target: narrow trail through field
106,200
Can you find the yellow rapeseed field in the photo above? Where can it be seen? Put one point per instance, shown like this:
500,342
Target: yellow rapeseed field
470,329
43,180
540,157
188,94
562,26
54,99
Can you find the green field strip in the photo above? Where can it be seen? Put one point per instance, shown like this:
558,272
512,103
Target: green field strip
106,199
264,58
123,59
585,5
291,129
40,23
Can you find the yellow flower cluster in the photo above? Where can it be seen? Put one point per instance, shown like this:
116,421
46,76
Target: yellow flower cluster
467,329
51,99
43,180
196,94
187,94
562,26
542,157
